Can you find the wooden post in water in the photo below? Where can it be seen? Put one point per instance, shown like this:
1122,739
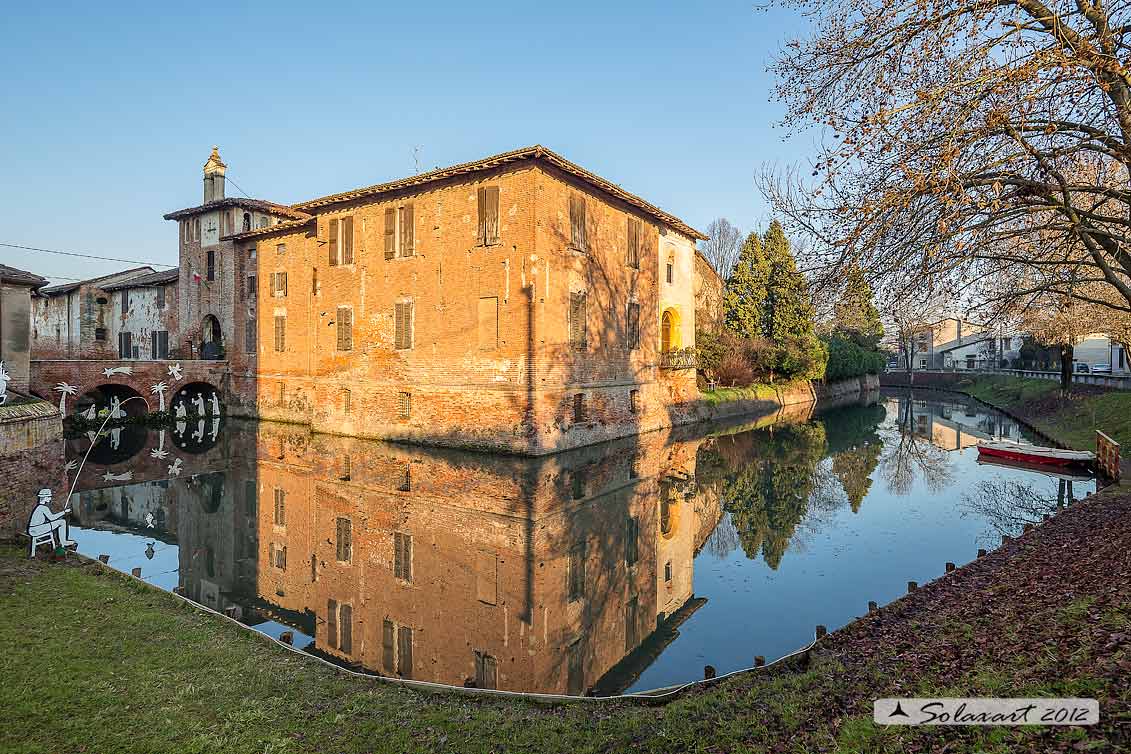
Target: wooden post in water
950,567
759,661
136,572
912,586
708,672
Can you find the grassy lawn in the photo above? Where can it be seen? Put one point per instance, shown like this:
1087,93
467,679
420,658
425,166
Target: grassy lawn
1072,419
750,393
102,663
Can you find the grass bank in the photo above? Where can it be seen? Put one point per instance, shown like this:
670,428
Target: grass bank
102,663
1071,419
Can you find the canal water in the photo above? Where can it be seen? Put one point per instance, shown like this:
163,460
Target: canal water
622,567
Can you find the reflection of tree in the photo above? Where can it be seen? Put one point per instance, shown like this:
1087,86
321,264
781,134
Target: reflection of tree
724,538
909,454
854,467
769,496
1009,504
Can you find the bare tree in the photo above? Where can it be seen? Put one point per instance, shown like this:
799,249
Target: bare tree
965,140
723,246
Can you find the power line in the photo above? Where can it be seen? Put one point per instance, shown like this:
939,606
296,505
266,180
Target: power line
229,180
86,256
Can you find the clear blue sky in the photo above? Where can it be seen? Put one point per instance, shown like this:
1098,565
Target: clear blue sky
111,110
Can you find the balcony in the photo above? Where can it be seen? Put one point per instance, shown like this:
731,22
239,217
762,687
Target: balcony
681,359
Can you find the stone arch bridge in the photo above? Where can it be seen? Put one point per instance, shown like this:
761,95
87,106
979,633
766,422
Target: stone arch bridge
75,384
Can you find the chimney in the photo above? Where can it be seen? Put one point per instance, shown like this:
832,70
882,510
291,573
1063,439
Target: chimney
959,320
214,177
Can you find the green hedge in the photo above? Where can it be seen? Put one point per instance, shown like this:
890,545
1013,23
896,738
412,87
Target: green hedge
847,360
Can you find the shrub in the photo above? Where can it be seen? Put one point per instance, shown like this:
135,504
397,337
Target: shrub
802,358
710,347
735,371
846,359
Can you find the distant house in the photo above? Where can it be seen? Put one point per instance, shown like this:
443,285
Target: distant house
957,343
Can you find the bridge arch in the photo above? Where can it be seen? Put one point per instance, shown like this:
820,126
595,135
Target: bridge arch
117,398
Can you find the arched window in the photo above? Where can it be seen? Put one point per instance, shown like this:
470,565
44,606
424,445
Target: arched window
246,222
666,332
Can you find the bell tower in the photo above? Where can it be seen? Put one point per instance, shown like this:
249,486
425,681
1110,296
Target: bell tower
214,177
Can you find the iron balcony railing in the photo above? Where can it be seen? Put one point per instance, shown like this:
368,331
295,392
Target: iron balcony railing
677,359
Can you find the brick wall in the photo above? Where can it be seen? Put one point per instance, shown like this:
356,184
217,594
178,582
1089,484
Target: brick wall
31,458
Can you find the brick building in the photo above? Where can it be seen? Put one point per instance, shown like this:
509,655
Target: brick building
518,302
17,291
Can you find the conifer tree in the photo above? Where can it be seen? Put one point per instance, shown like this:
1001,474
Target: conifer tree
788,311
855,312
746,290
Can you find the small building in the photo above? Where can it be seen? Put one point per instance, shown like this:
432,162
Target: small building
145,310
17,288
78,320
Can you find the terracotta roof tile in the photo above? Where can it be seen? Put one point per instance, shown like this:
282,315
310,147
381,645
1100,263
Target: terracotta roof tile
21,277
260,205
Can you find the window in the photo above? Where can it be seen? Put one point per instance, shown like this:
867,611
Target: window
252,289
404,651
100,333
631,541
211,264
575,669
280,507
400,236
388,645
402,321
575,572
404,405
264,222
280,332
278,556
161,297
314,281
1122,358
346,468
577,339
635,241
577,237
671,272
159,344
280,248
347,400
250,495
125,345
126,301
279,284
631,636
634,401
249,335
345,328
345,538
246,222
488,323
577,483
486,671
578,408
406,479
488,215
402,556
339,626
633,325
668,572
341,241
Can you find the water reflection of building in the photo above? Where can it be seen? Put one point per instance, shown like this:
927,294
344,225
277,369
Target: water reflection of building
953,426
514,573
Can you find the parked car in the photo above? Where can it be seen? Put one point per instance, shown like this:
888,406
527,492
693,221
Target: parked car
1101,368
1082,367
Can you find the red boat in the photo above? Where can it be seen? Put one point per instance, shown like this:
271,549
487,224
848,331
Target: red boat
1015,451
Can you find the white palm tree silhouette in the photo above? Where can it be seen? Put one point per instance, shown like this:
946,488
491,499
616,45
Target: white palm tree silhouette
64,390
159,390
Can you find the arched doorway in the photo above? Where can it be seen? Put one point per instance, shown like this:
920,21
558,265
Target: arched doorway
212,338
669,331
